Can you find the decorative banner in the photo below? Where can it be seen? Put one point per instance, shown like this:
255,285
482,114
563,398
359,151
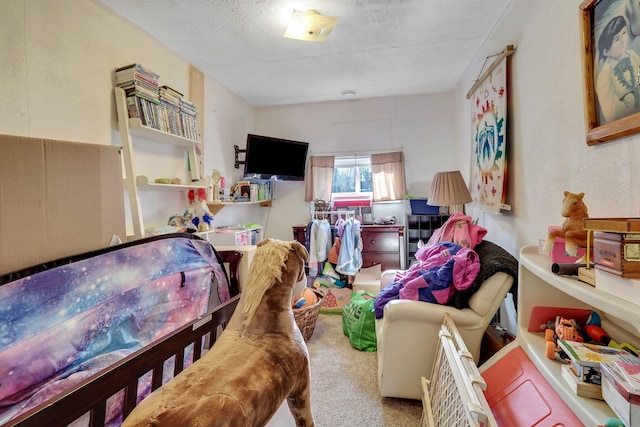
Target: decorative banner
489,125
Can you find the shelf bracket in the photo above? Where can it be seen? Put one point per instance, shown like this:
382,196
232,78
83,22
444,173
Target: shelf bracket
238,151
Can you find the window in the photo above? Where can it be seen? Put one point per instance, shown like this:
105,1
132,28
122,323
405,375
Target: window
352,176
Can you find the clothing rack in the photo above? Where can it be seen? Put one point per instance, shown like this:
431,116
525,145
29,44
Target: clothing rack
346,213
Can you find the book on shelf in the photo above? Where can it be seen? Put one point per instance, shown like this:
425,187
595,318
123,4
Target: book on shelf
586,358
631,372
581,388
587,354
171,91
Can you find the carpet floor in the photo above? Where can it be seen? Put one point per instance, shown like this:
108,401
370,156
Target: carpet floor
344,387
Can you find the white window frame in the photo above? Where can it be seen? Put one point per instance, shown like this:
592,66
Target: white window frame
356,162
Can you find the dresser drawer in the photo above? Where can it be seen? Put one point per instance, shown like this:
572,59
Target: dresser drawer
387,260
380,241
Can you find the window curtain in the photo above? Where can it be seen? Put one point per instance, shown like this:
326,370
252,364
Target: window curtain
319,178
387,174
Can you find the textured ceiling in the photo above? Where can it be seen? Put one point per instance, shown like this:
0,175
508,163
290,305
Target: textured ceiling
378,48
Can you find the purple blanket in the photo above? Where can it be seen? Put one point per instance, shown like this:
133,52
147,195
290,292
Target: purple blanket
66,323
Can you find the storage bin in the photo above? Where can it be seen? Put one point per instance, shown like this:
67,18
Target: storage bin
420,207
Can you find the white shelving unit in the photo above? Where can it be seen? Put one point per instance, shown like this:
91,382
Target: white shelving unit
539,286
130,127
234,237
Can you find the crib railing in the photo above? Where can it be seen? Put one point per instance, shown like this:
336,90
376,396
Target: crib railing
86,403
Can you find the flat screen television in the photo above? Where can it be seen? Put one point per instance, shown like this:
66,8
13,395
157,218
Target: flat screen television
267,157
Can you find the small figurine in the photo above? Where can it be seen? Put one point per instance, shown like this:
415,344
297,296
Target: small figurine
572,230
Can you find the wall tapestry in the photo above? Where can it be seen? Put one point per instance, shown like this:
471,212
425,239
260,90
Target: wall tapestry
489,137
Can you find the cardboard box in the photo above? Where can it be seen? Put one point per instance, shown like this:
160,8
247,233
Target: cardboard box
58,199
558,253
615,392
368,280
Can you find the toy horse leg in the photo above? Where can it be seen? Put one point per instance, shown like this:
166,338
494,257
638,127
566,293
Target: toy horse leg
574,239
300,405
551,237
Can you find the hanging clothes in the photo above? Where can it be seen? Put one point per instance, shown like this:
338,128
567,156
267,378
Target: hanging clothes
350,255
323,240
312,262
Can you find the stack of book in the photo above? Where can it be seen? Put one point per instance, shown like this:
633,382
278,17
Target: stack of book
139,81
159,107
188,116
621,390
583,372
170,110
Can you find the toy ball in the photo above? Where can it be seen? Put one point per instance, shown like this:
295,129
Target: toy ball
310,297
299,302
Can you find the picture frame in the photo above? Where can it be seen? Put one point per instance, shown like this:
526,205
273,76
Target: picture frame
618,124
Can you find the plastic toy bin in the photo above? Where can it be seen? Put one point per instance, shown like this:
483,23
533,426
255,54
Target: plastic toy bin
420,207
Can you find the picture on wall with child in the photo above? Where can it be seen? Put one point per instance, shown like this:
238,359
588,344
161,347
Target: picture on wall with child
616,59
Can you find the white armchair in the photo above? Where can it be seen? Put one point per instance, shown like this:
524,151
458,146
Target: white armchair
407,333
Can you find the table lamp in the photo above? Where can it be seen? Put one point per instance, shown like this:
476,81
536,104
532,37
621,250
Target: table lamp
449,189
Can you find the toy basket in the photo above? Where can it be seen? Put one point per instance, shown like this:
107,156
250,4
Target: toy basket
306,317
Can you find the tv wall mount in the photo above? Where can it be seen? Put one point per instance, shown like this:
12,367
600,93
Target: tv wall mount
238,151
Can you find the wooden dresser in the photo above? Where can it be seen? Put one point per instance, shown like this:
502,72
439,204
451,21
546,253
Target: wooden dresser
380,244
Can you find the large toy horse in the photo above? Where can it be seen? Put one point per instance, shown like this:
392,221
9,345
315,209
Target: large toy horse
572,230
259,360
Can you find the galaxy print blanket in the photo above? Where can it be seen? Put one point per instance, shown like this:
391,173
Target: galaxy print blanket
63,322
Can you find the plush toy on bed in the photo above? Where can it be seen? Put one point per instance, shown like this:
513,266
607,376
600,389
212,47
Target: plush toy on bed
259,360
572,230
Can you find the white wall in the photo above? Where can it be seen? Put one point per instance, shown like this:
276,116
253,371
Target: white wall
56,79
420,125
547,149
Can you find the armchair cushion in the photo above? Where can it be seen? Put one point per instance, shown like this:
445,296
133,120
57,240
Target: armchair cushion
407,334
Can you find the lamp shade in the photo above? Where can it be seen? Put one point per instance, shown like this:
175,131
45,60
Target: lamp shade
448,188
309,25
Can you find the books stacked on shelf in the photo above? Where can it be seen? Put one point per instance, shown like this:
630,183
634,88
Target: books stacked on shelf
630,372
260,189
585,359
188,117
158,107
169,110
621,393
139,81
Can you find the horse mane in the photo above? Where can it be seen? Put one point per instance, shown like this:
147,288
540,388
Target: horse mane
266,269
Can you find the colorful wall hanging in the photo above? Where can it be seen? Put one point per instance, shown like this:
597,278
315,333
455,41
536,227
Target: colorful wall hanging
488,181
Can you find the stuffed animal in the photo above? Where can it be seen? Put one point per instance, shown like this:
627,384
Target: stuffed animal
202,219
259,360
572,230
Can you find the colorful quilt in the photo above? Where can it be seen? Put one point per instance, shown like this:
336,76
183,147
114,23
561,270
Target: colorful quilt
65,321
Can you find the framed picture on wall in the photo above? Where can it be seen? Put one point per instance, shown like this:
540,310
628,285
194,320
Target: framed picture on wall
611,64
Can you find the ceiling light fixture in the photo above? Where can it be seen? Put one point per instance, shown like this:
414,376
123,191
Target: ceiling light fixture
309,25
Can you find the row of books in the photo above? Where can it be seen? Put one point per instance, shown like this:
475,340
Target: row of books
584,371
163,118
255,189
159,107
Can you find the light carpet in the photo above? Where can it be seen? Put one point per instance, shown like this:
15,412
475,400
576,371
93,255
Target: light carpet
344,385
